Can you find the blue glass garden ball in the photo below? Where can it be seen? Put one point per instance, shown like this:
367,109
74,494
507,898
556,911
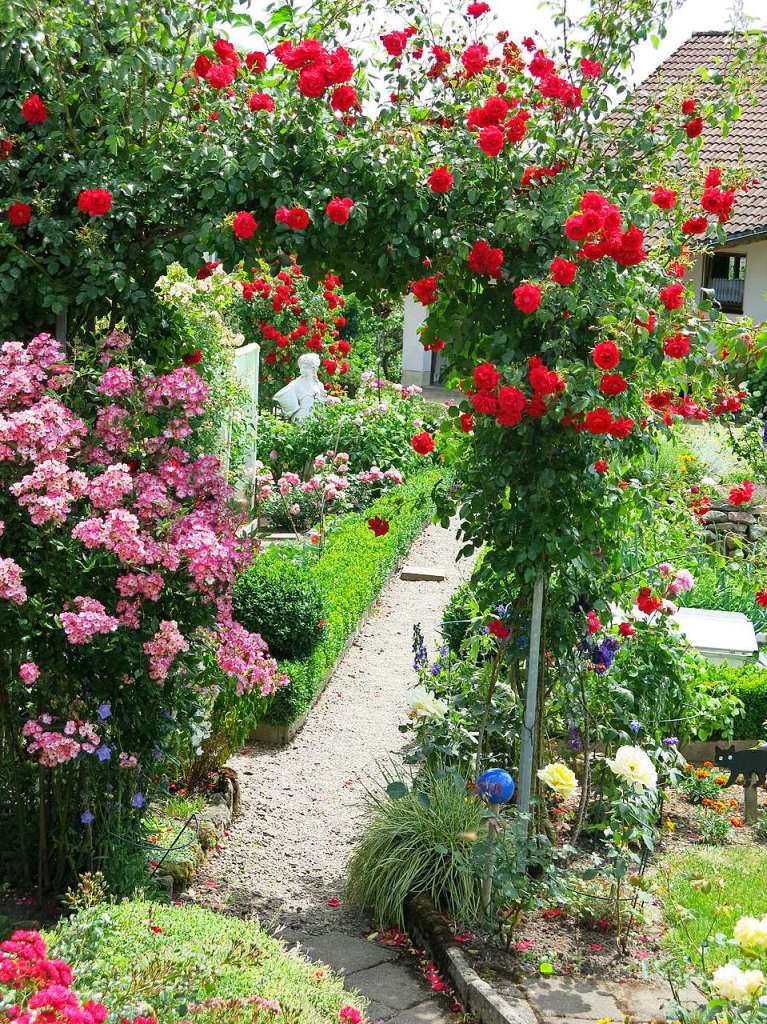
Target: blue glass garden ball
496,786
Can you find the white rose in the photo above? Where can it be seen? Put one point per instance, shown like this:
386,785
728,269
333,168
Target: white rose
425,705
751,932
730,982
633,765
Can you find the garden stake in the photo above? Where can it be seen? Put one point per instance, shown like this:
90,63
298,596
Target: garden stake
487,881
750,800
528,725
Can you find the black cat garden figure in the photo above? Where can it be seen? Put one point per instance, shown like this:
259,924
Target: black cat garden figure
742,762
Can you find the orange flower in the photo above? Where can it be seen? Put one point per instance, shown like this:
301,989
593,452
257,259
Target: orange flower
701,774
736,822
720,806
721,780
707,801
708,764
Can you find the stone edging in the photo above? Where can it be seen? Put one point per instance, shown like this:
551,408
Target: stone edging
429,929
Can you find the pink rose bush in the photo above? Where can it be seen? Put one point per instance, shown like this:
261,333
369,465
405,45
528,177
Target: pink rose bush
118,554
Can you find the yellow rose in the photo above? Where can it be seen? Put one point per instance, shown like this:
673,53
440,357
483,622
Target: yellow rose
730,982
751,932
559,777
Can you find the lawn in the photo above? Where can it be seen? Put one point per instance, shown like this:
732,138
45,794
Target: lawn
704,891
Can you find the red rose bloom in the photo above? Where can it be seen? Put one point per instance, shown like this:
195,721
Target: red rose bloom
761,598
19,214
477,9
423,443
647,602
379,526
672,296
591,68
425,290
344,99
665,198
94,201
485,403
330,366
620,428
485,259
612,384
33,110
220,76
312,82
295,217
256,61
695,226
563,271
441,180
491,140
394,43
338,209
600,466
598,421
527,297
244,224
466,422
606,355
626,629
486,377
201,65
694,127
192,358
516,128
511,407
498,629
676,346
688,106
474,59
261,101
206,270
742,494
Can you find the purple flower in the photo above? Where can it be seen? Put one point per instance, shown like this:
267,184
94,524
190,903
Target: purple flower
138,801
87,817
104,753
671,741
574,737
157,754
436,668
104,711
635,726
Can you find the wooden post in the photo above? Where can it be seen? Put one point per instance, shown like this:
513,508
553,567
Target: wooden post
61,326
527,746
750,801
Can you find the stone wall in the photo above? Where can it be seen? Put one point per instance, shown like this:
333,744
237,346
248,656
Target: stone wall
731,527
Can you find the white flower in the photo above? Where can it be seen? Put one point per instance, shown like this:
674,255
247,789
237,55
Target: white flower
751,932
730,982
559,777
425,705
633,765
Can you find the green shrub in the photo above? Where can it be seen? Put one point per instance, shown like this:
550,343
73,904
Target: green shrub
196,955
749,683
418,841
351,572
280,598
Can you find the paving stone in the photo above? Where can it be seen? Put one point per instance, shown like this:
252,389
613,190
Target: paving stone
570,1000
377,1011
412,573
344,953
644,1002
424,1013
391,985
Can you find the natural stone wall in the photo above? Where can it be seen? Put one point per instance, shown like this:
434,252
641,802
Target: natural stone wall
732,527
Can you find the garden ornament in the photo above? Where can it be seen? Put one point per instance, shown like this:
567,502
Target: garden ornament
297,399
496,786
748,763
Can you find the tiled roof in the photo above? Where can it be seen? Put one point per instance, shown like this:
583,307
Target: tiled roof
747,138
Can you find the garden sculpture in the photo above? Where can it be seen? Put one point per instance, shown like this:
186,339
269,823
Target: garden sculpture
297,399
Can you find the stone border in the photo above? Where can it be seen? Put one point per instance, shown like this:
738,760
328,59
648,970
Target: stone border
701,750
429,929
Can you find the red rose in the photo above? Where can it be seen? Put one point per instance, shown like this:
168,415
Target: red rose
201,65
344,99
612,384
688,106
695,226
33,110
94,201
527,297
486,377
598,421
206,270
244,224
474,59
742,494
441,180
477,9
466,421
516,128
677,346
563,271
714,177
511,406
423,443
312,82
761,598
5,148
606,355
220,76
330,366
379,526
261,101
338,209
541,66
226,52
485,259
19,214
664,198
491,140
715,200
425,290
620,428
394,43
498,629
192,358
591,68
626,629
694,127
485,403
600,466
256,61
647,602
672,296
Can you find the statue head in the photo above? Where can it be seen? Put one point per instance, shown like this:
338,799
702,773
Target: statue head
308,364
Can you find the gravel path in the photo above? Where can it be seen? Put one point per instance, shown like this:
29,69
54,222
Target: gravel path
303,805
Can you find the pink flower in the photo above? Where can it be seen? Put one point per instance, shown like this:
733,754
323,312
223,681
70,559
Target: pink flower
29,673
88,620
163,648
11,587
116,381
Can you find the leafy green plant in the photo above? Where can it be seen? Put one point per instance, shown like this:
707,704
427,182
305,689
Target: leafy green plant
280,593
748,684
419,840
714,828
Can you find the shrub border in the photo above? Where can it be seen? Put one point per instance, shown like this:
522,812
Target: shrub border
409,508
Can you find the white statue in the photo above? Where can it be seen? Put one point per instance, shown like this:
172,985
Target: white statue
297,398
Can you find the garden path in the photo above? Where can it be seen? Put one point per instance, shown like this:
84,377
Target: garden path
303,805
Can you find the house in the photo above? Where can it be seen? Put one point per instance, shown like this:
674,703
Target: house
737,270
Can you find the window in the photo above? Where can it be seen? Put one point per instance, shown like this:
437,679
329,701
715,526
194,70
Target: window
725,274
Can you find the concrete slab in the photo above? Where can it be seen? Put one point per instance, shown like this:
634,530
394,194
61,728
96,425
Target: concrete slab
414,573
424,1013
566,999
644,1003
344,953
391,985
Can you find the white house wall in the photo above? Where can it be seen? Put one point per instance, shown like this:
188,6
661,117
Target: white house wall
755,289
416,362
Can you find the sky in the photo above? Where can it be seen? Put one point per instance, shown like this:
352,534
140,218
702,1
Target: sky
523,17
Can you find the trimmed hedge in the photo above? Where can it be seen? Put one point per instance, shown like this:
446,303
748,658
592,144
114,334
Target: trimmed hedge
749,682
351,573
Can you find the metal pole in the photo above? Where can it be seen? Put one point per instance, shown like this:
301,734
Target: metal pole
61,326
528,725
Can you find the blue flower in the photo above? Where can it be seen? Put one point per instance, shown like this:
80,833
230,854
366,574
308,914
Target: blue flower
671,741
87,817
138,801
436,668
635,726
157,754
104,753
104,711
